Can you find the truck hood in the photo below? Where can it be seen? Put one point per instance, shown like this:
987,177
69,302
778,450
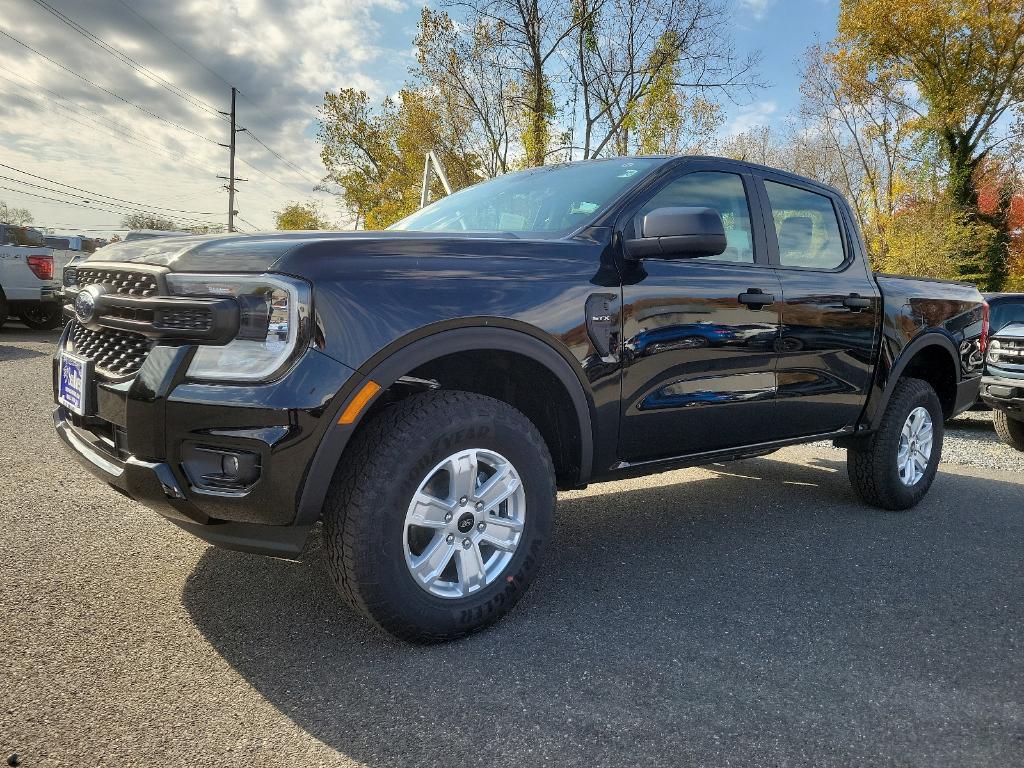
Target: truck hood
251,252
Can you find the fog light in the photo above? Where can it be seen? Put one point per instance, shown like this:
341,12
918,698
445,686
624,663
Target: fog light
220,469
229,465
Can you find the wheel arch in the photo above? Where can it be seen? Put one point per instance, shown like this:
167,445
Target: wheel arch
428,346
932,357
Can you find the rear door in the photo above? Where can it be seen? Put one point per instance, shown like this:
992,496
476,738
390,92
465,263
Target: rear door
698,362
831,307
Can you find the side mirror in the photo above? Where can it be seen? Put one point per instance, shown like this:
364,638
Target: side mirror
678,233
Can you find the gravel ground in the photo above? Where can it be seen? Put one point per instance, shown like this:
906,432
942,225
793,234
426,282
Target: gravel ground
747,614
970,441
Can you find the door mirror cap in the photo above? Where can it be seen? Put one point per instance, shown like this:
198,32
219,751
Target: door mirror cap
678,233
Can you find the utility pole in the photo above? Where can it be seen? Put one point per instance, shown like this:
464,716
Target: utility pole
231,163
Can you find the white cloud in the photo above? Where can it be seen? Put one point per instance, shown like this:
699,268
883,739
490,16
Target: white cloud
756,8
760,113
281,54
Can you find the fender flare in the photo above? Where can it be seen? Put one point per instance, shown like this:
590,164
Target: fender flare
925,340
407,354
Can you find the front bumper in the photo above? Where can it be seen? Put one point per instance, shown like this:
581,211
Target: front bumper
1003,394
140,431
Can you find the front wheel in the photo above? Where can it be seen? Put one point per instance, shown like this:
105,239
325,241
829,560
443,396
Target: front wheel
41,317
896,466
1009,429
437,519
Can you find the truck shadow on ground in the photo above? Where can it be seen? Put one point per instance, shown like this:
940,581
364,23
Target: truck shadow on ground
762,616
8,353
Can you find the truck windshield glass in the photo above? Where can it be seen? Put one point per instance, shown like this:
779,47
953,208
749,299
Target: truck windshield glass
1006,312
542,202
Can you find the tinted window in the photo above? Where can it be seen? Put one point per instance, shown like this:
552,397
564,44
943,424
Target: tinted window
724,193
807,228
543,202
1005,312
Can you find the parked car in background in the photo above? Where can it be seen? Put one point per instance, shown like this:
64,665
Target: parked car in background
28,284
1002,387
424,390
149,234
28,289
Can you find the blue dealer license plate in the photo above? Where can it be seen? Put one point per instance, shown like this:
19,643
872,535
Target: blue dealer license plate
73,384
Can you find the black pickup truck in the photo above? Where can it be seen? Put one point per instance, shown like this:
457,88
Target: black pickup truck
425,390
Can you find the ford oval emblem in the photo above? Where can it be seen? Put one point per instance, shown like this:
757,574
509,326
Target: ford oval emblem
85,305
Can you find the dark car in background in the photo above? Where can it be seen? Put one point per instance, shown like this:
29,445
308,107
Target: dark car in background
1002,387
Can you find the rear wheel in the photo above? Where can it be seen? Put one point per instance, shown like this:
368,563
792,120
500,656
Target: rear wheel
437,519
41,317
896,466
1009,429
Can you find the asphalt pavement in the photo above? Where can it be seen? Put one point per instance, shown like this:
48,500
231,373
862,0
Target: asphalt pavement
744,614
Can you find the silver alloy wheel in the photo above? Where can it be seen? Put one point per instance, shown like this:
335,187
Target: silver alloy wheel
464,523
915,449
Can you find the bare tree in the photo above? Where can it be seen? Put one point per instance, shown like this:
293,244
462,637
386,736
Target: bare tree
623,50
870,137
463,66
533,31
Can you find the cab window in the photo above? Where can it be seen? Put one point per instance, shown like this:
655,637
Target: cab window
722,192
806,227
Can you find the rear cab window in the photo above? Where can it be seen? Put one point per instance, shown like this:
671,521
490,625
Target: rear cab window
806,227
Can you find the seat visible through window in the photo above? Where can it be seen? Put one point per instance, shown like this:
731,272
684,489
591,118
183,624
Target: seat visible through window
806,226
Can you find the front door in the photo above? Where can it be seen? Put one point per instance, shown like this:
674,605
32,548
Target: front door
700,334
831,309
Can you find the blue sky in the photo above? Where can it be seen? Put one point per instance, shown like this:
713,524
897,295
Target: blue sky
782,30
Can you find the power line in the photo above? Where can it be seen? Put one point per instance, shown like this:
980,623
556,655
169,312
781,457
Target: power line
127,136
80,201
179,47
216,74
65,202
100,194
106,90
166,84
108,126
284,160
101,202
125,59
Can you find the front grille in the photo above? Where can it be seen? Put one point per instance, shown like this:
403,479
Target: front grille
185,319
114,353
121,281
1011,352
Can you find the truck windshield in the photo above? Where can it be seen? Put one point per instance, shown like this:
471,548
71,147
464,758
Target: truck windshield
1006,312
546,202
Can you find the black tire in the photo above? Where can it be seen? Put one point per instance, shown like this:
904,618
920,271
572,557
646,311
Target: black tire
4,309
873,468
43,317
1009,429
364,518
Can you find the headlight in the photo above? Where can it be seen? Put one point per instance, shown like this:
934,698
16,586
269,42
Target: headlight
272,328
994,350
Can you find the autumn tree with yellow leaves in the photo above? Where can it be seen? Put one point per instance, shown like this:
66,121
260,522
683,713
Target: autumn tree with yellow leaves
957,68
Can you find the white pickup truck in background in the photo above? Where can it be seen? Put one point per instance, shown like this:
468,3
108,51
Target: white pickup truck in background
30,278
